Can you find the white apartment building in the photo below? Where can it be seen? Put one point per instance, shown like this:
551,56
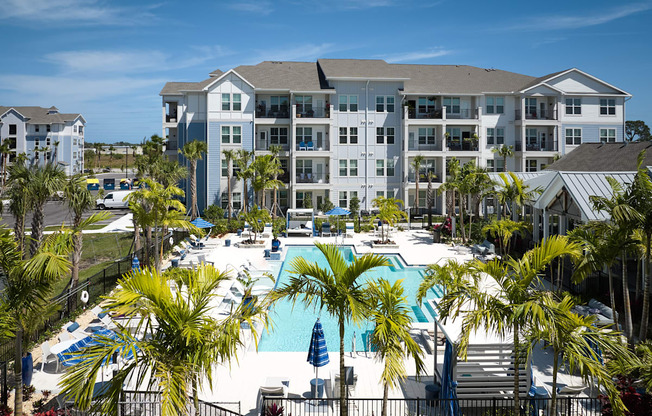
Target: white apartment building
44,135
352,127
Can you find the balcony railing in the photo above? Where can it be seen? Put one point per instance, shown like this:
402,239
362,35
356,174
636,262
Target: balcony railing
311,178
464,145
312,145
423,179
537,147
263,112
429,114
266,144
285,177
427,146
537,114
171,145
467,113
170,118
312,111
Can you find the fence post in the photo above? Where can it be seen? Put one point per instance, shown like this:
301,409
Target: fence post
4,397
493,406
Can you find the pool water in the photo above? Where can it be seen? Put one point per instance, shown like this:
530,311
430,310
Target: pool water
292,324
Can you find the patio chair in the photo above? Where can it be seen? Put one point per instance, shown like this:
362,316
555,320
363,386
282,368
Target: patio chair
64,336
302,146
310,145
326,229
47,354
239,290
350,229
267,231
75,330
202,259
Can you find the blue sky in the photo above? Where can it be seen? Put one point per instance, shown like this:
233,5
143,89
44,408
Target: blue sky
109,59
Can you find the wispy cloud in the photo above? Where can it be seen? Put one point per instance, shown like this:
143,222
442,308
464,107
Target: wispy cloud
301,52
263,7
75,12
558,22
416,55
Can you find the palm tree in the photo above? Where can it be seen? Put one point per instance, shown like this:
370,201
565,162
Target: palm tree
168,172
266,169
179,353
389,212
504,152
43,183
19,179
511,307
245,173
193,152
256,218
430,197
451,184
275,150
577,342
504,230
416,165
338,289
513,191
5,151
140,211
230,157
79,200
111,150
26,283
56,151
391,338
99,147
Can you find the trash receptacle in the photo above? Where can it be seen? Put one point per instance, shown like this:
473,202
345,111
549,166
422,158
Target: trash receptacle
175,262
239,233
227,243
432,393
436,236
268,252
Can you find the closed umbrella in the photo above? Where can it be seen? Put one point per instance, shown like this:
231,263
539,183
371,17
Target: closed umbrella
135,264
317,352
337,211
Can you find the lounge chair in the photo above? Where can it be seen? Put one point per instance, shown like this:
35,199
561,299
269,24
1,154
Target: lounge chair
302,146
47,354
310,145
484,249
202,260
73,329
239,290
603,313
326,229
267,231
350,229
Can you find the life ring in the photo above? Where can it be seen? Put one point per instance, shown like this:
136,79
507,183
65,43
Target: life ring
84,296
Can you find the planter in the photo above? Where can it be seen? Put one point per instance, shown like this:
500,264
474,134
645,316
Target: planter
257,244
28,369
391,245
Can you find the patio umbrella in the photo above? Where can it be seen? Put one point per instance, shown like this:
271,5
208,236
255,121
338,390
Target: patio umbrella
135,264
337,211
199,222
317,352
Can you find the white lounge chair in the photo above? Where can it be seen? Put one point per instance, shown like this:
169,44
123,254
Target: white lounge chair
47,354
349,230
202,259
267,231
239,290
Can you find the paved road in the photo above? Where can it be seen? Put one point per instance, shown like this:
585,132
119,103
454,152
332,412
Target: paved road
56,213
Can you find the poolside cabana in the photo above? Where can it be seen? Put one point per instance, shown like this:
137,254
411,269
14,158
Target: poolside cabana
300,221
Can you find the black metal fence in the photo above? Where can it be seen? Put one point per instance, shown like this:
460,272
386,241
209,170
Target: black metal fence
149,403
566,406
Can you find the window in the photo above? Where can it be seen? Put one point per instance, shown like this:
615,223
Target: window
353,167
226,102
491,135
12,129
81,130
303,196
530,165
304,103
74,129
278,103
348,102
37,143
47,142
231,102
490,165
343,202
352,137
607,107
426,135
390,167
232,134
454,138
495,105
426,105
36,128
499,134
304,134
380,194
422,198
573,136
385,135
452,105
500,165
381,100
427,166
607,135
573,106
237,102
304,168
531,107
343,167
278,135
48,128
531,138
236,200
283,198
225,168
380,167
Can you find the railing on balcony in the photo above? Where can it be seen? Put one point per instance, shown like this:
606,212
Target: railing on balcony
465,113
170,118
266,144
540,114
464,145
423,178
421,146
285,177
311,178
312,111
537,147
281,112
432,114
312,145
171,145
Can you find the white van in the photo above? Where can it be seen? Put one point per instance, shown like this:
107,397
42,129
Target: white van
114,199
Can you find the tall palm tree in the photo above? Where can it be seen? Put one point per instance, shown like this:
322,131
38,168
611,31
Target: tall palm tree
266,169
513,191
275,150
391,338
179,353
244,160
416,165
575,341
511,307
26,283
5,151
79,200
338,289
451,184
389,212
19,179
504,152
168,172
140,211
111,150
193,151
99,148
43,183
230,156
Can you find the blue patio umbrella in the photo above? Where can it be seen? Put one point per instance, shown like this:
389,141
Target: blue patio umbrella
135,264
317,352
338,212
199,222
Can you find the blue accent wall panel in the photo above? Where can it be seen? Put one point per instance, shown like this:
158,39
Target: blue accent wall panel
197,131
215,164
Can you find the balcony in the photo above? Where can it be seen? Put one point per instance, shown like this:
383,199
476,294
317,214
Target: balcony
417,145
264,145
537,147
318,145
309,111
464,145
428,114
540,114
285,177
311,178
274,112
171,145
463,114
423,179
171,118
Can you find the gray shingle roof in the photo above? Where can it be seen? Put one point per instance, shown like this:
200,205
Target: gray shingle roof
283,75
359,68
39,115
541,79
604,157
175,88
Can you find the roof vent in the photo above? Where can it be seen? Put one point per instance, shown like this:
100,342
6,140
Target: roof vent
277,62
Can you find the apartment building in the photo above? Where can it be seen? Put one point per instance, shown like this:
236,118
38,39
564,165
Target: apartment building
353,127
44,135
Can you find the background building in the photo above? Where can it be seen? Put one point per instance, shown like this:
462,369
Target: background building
44,135
353,127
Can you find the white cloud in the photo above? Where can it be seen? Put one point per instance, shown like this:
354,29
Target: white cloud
578,21
75,12
304,52
417,55
263,7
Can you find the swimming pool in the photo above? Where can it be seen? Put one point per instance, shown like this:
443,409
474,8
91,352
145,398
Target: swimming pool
292,327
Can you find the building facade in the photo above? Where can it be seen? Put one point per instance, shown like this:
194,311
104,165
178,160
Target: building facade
353,127
44,135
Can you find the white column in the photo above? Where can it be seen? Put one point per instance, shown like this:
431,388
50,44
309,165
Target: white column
546,225
537,223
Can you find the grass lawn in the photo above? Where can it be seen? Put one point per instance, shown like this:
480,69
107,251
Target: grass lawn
90,227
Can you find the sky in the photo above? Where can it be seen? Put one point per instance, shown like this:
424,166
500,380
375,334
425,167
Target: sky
108,60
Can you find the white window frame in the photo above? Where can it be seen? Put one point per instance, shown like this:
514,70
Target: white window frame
349,133
390,168
384,102
491,135
346,104
608,138
428,139
528,167
491,165
425,105
380,167
344,167
343,199
500,135
353,167
608,105
232,134
226,101
275,137
453,105
305,135
495,105
575,136
305,105
573,106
